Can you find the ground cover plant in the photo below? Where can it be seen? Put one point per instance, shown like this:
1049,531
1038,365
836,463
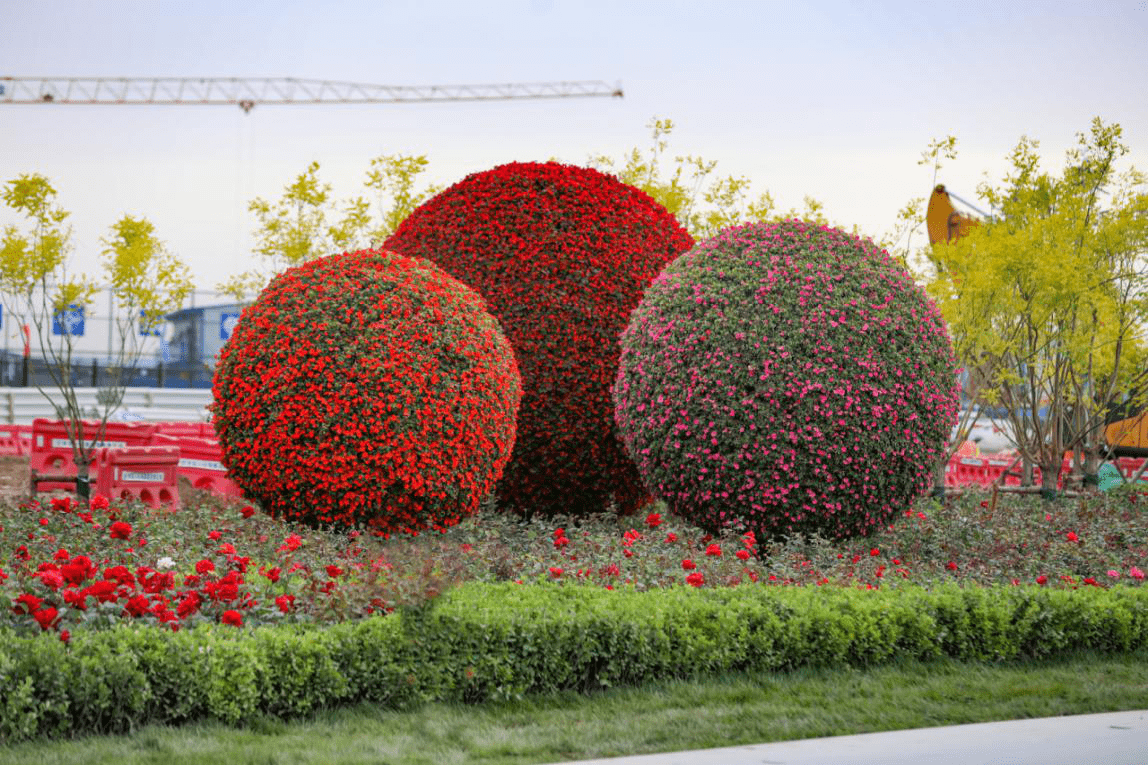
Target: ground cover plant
561,254
786,378
367,388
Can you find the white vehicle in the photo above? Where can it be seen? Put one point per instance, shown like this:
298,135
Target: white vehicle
990,437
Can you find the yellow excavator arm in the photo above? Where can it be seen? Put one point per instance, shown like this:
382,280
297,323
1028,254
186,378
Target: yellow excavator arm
943,221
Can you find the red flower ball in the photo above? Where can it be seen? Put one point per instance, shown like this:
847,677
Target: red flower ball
562,255
369,388
120,530
234,618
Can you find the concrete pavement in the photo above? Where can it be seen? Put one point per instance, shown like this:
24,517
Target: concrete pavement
1113,738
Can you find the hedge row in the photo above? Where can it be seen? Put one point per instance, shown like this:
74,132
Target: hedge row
501,641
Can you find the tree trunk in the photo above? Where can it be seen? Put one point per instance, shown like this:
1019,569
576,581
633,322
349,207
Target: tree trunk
1049,472
1092,463
83,482
939,478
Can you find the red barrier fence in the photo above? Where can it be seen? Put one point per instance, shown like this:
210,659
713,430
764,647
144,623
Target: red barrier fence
199,459
201,463
982,471
145,473
50,458
15,439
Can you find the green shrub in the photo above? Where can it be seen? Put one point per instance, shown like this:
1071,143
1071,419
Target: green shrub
484,642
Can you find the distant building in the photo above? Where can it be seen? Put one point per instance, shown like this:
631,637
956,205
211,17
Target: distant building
195,339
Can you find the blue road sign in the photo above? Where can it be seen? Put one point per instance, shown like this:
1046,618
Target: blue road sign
69,322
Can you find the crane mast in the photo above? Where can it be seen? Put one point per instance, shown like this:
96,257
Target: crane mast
247,92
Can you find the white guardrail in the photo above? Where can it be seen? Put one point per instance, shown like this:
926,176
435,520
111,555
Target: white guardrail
20,406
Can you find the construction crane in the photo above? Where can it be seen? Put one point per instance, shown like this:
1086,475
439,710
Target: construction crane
247,92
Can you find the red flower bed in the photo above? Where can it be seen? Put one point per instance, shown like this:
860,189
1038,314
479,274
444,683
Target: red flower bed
562,255
367,387
786,378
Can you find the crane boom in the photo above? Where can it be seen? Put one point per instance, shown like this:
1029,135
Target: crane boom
246,92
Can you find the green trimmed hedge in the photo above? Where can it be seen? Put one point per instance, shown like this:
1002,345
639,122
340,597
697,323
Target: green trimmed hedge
484,642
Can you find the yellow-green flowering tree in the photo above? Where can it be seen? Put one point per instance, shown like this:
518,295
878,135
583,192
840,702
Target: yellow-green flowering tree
307,222
39,290
1050,296
692,191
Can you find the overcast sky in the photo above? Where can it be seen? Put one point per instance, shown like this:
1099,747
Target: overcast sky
835,100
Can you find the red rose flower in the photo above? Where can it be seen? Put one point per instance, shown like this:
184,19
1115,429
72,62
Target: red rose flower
695,579
120,530
204,567
45,617
27,604
234,618
137,605
688,564
189,605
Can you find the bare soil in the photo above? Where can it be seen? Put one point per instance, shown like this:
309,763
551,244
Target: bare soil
13,478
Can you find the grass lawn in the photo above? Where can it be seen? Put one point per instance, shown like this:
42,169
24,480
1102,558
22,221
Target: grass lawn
723,711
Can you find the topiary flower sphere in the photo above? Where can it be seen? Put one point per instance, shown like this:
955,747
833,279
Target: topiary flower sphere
367,388
561,255
786,378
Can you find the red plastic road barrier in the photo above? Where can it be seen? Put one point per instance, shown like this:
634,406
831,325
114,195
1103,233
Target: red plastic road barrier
50,456
200,461
52,448
149,474
1129,465
997,468
15,439
968,471
180,429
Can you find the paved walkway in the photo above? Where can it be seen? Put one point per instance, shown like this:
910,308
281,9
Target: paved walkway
1115,738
